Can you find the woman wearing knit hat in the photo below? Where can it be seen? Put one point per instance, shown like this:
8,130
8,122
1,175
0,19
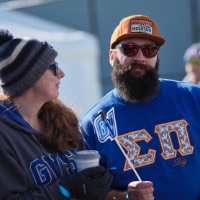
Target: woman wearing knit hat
192,63
39,134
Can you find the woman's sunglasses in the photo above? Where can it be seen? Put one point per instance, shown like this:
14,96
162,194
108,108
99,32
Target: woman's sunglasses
54,68
130,50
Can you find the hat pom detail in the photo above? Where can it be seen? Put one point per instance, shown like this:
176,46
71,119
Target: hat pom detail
5,36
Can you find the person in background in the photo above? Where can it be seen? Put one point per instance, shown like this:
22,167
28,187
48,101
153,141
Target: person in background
192,64
145,123
39,134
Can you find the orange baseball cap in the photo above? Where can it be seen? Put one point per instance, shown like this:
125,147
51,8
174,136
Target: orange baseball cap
139,26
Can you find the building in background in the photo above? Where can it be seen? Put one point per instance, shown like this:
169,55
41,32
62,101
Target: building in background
179,24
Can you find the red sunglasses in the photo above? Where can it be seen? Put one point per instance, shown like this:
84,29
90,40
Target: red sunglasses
130,50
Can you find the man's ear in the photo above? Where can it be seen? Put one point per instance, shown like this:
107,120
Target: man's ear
111,57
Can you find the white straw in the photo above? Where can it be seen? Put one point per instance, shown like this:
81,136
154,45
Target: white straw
133,168
101,112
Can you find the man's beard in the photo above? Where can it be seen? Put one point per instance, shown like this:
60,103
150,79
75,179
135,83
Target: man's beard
134,87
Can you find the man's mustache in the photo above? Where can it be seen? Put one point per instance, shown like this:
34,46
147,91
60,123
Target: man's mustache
135,65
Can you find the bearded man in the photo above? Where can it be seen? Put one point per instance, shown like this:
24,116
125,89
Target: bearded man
146,129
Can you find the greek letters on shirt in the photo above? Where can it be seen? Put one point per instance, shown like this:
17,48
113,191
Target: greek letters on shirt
45,168
106,129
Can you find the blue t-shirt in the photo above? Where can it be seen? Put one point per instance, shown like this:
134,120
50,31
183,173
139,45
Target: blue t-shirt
161,138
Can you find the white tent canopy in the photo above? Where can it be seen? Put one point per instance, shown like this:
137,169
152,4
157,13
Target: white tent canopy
78,56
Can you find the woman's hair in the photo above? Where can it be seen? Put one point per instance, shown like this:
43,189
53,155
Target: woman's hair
4,97
61,126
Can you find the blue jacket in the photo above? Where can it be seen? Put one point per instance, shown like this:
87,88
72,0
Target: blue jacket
28,170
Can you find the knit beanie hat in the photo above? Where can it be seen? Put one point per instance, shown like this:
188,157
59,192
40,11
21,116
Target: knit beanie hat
192,52
22,62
